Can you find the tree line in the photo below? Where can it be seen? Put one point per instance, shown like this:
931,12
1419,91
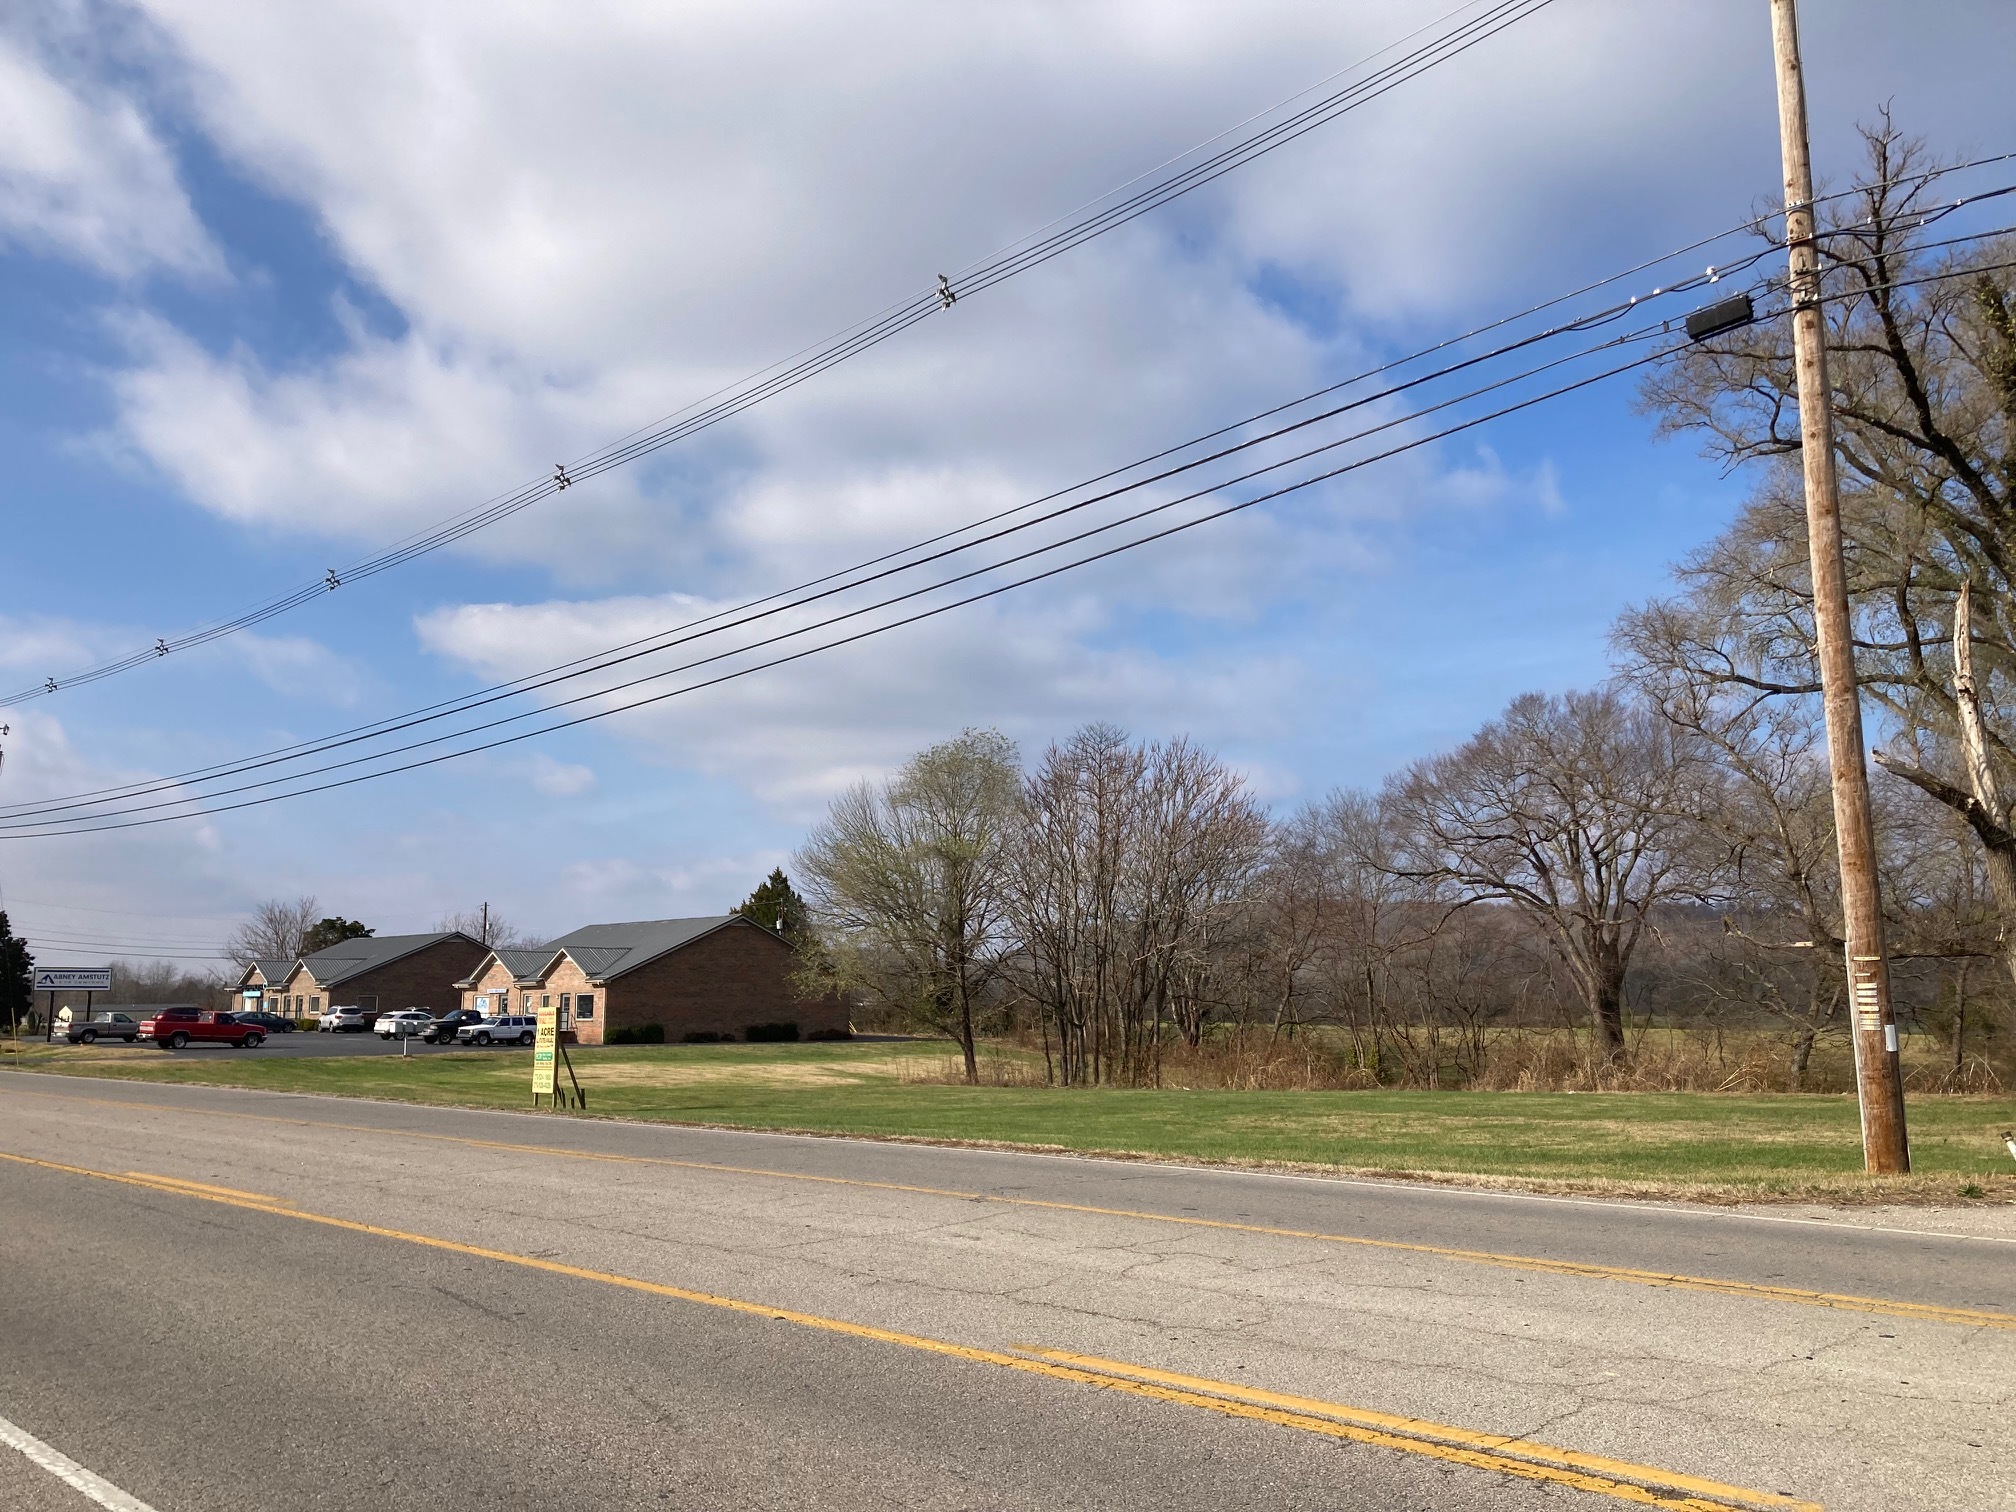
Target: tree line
1658,849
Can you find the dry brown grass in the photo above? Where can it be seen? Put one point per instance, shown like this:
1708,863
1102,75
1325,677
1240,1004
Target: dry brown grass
1512,1060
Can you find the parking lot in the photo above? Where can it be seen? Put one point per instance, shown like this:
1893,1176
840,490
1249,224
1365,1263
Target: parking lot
304,1042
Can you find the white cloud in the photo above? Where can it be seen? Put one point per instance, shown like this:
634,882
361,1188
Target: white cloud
797,734
559,779
42,644
83,175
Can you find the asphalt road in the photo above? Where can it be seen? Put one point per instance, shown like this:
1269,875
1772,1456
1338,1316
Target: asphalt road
367,1305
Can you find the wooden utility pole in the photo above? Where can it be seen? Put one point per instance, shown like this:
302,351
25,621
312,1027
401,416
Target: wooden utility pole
1877,1077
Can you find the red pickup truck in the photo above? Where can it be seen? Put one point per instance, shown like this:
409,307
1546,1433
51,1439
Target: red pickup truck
172,1028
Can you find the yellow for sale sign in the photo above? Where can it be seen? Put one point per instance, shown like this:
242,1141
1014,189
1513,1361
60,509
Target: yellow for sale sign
545,1053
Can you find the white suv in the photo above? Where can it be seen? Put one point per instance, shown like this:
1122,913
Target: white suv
342,1020
498,1029
406,1021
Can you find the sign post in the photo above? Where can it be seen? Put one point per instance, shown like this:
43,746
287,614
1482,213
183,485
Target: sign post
545,1057
547,1054
88,980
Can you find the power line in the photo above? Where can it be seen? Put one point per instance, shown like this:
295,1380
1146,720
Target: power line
666,640
602,661
1018,258
80,827
27,815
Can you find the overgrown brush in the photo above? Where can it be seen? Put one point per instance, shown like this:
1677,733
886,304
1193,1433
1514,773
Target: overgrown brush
1513,1059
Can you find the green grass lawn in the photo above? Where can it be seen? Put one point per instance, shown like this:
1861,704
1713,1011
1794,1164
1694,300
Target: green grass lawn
1698,1144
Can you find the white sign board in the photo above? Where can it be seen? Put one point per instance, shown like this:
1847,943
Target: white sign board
74,979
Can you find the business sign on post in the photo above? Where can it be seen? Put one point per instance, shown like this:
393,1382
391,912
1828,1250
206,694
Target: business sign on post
74,979
545,1056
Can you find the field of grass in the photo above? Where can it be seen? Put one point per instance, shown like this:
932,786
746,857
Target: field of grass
1694,1144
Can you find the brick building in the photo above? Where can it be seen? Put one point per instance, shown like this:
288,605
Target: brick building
259,984
714,977
380,973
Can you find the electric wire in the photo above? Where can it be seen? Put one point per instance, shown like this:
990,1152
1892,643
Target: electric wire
665,640
23,813
853,340
81,827
603,660
933,611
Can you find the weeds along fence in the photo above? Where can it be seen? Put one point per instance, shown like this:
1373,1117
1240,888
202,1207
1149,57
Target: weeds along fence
1508,1059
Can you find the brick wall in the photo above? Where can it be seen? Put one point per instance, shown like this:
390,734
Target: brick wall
424,979
720,984
494,983
291,996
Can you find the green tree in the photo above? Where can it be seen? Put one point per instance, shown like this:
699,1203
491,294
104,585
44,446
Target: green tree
776,905
17,977
332,931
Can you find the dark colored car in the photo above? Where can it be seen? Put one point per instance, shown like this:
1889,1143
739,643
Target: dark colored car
442,1030
272,1023
172,1028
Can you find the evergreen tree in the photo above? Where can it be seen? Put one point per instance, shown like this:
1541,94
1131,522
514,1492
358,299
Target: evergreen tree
17,976
776,905
332,931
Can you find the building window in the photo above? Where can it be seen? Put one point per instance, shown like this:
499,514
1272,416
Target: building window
528,1002
314,1005
584,1005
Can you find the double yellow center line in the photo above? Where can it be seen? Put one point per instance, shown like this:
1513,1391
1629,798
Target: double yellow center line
1621,1480
1924,1312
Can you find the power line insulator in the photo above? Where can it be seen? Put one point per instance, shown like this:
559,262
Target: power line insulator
946,298
560,478
331,580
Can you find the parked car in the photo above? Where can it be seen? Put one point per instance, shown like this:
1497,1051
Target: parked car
346,1020
442,1030
103,1024
172,1028
407,1021
272,1023
498,1029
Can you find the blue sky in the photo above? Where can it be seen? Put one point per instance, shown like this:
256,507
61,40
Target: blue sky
282,286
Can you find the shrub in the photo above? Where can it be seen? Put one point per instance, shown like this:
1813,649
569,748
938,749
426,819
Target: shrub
706,1037
830,1034
771,1033
638,1034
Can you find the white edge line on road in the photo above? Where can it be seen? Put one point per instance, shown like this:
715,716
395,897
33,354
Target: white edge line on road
1422,1189
64,1468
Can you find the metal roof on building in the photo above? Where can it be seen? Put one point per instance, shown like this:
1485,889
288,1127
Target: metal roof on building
349,958
524,965
608,950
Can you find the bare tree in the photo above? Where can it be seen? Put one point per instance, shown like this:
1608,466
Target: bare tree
274,932
907,884
488,925
1923,362
1136,864
1571,809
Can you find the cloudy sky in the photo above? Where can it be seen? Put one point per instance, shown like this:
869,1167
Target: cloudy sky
280,285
